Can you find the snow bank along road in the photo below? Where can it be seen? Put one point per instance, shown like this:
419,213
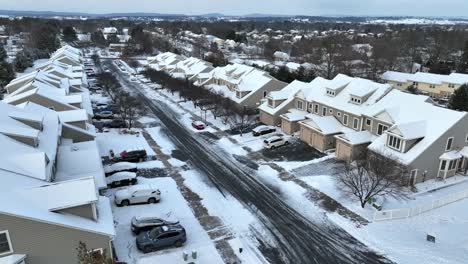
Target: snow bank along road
298,239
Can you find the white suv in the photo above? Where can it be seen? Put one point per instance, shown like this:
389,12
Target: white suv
137,194
275,142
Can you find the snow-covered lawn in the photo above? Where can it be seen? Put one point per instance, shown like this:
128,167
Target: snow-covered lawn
404,240
174,205
237,219
230,147
291,165
117,142
161,139
254,143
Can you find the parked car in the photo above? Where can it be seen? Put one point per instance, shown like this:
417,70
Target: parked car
137,194
119,167
116,123
133,155
161,237
275,142
199,125
144,224
263,130
120,179
104,115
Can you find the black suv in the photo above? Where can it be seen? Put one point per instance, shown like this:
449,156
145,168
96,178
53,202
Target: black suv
136,155
143,224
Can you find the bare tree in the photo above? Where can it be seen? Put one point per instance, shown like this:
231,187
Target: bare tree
129,108
242,120
377,175
110,85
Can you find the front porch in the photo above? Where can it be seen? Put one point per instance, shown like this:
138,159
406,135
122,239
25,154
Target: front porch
453,162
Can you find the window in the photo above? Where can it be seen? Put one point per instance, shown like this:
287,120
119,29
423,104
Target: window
330,111
415,83
5,243
339,114
324,111
264,94
316,108
451,85
299,105
432,86
368,122
452,164
449,144
270,102
345,120
443,164
355,123
466,138
399,84
330,93
394,142
355,100
381,128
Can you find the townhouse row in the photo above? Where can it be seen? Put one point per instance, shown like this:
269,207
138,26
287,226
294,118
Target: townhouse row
434,85
352,116
51,169
246,86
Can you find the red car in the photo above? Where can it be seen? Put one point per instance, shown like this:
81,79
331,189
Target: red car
199,125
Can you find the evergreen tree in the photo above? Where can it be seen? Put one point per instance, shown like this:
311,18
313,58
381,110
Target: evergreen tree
98,39
86,256
23,61
69,34
3,54
44,37
459,100
6,73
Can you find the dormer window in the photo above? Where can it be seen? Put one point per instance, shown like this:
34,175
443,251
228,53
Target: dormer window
356,100
394,142
331,93
270,102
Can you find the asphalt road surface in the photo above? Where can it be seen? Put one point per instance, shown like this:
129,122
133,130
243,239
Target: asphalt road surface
298,239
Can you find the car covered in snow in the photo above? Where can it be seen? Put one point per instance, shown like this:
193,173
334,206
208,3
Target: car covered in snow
104,115
263,130
137,194
161,237
123,178
275,142
146,223
199,125
120,166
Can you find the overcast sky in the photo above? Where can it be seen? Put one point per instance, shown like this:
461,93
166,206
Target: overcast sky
239,7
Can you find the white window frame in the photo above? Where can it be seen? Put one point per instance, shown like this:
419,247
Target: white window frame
380,124
9,243
302,105
355,122
316,108
392,144
324,110
339,114
451,144
370,122
345,117
330,111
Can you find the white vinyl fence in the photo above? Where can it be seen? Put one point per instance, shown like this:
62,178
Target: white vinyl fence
410,212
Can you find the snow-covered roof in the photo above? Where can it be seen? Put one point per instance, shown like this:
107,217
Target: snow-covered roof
412,117
327,125
78,160
424,77
73,116
62,195
357,137
345,87
31,161
287,94
193,66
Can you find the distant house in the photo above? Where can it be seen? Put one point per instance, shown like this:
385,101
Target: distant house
434,85
164,62
190,68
